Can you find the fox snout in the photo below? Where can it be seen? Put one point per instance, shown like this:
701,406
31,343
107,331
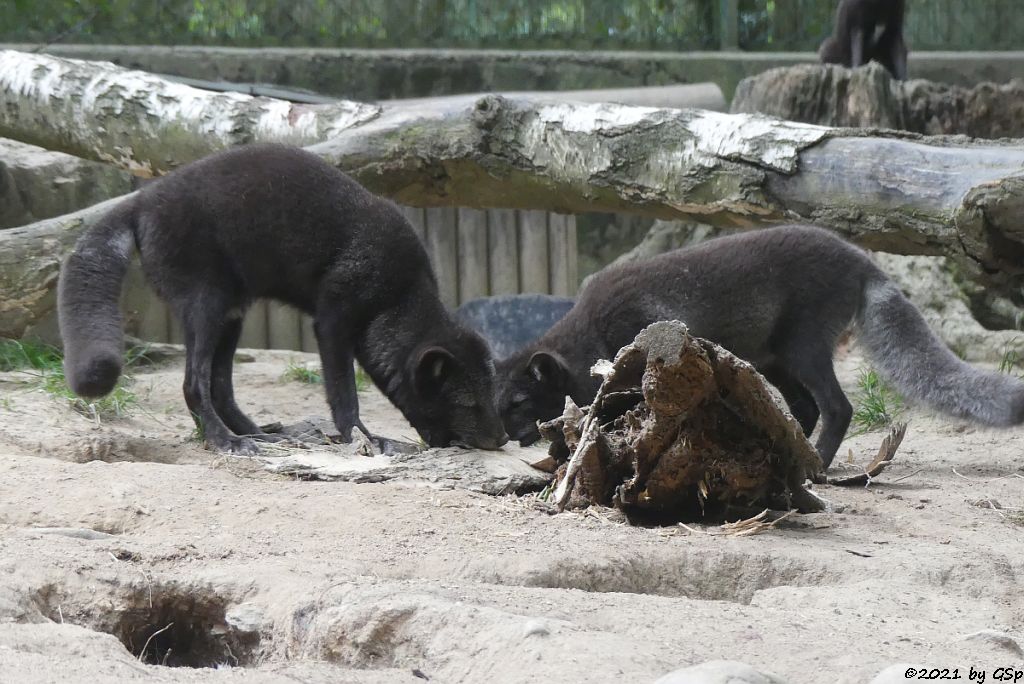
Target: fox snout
492,443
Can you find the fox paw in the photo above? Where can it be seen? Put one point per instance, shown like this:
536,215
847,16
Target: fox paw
241,446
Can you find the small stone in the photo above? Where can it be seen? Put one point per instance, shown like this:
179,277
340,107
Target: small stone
536,628
510,322
720,672
247,618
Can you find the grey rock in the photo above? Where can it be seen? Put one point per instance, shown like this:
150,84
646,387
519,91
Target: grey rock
247,618
509,322
536,628
720,672
488,472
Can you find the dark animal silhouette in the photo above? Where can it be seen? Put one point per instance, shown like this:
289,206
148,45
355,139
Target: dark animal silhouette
868,30
778,298
268,221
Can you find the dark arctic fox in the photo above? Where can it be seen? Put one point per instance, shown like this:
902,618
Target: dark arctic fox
278,222
779,298
868,30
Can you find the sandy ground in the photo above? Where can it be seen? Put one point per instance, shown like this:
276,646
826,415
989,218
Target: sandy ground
110,533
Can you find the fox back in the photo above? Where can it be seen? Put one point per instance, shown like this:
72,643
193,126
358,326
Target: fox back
778,298
270,221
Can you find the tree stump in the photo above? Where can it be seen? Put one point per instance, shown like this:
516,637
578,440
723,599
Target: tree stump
681,429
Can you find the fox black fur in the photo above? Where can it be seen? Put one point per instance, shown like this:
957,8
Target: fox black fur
868,30
269,221
778,298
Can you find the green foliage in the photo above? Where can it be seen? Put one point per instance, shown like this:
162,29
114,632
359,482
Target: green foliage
17,355
519,24
117,404
363,381
298,372
46,363
1012,363
876,403
199,431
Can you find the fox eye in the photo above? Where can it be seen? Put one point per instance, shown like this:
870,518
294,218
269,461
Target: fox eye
518,401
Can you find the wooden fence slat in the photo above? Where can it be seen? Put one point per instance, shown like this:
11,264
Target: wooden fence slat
472,257
284,326
503,243
558,255
574,253
145,312
474,253
308,334
254,329
417,219
533,251
443,246
175,330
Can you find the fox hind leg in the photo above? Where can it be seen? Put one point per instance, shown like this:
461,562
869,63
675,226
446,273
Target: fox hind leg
205,319
811,366
223,388
801,403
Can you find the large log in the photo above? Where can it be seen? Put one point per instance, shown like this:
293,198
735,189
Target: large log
147,124
36,184
831,95
891,192
679,96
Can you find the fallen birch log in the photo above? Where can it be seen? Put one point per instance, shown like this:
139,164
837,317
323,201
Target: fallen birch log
889,192
144,123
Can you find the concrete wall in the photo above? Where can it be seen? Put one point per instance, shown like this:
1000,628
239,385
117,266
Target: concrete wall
384,74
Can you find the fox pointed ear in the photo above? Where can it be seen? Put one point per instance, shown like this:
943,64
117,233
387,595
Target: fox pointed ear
433,366
548,369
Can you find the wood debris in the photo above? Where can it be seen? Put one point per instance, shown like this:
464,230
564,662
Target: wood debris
683,429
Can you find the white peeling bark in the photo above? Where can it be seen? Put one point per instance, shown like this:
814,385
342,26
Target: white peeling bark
891,192
146,124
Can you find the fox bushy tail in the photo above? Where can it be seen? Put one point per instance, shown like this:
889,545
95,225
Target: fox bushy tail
88,303
916,361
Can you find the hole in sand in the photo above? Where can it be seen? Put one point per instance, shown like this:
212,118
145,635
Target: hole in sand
183,631
172,626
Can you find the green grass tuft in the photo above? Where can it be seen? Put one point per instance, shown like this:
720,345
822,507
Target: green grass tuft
199,431
299,372
1012,363
363,381
46,363
29,355
876,403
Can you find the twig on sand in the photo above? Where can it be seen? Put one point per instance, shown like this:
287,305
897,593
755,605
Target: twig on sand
991,479
908,475
142,653
882,459
753,525
742,528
